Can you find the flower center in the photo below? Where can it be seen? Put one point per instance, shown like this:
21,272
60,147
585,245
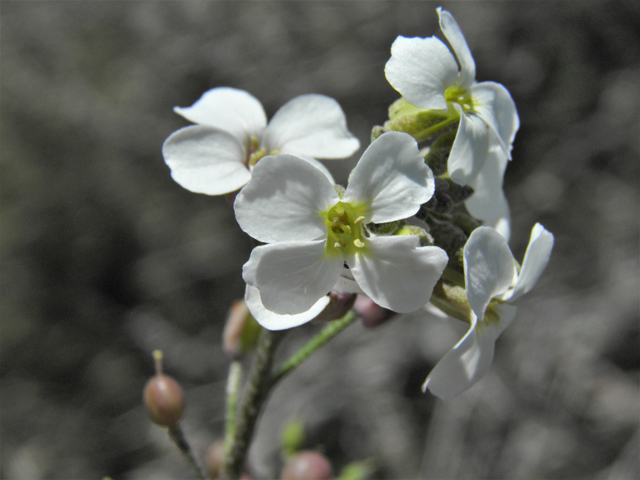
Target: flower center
345,229
491,315
255,152
459,95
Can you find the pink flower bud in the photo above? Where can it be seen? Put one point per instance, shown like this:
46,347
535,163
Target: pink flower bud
307,465
214,457
338,306
163,397
241,330
371,314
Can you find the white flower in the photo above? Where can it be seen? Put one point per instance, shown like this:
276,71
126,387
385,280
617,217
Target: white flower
494,280
425,73
312,233
217,155
488,203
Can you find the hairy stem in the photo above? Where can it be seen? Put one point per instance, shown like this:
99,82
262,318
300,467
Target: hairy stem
254,397
326,334
177,435
233,386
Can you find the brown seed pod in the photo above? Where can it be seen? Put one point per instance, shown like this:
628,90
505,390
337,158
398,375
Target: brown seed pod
163,397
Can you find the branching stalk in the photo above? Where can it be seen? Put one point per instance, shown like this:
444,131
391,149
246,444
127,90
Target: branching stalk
326,334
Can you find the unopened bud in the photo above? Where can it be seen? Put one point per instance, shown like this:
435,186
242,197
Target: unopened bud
388,228
241,330
416,121
338,306
292,438
214,458
371,314
440,203
307,465
438,156
163,397
376,131
425,239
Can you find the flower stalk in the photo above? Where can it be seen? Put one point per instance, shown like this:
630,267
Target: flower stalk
255,394
326,334
177,436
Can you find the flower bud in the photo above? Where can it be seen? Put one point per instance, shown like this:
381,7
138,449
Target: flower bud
416,121
421,233
214,458
371,314
163,397
241,330
338,306
307,465
388,228
438,155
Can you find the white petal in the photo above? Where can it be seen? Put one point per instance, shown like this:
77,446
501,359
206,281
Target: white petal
497,108
311,126
488,202
273,321
460,47
292,276
469,151
347,285
392,178
282,200
489,268
320,166
398,274
535,261
205,160
421,69
234,111
468,361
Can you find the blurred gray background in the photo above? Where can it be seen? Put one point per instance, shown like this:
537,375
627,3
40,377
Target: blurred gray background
105,258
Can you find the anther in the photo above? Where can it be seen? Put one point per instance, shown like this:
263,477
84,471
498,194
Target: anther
358,220
346,229
339,244
358,243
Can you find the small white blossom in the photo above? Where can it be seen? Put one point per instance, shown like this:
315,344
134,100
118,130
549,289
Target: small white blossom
313,234
426,74
217,155
494,281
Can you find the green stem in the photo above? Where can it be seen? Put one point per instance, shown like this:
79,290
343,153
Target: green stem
177,435
326,334
233,386
255,395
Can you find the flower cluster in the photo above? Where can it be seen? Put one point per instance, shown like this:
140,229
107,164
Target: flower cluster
423,220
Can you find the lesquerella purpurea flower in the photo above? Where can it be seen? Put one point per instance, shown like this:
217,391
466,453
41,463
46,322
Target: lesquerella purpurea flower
217,155
494,281
315,236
